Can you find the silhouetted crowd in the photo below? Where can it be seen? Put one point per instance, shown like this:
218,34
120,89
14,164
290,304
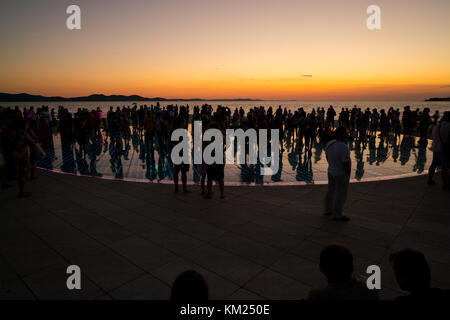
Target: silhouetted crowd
27,134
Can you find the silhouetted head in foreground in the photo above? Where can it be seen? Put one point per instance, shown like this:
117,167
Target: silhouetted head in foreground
412,273
411,270
340,133
189,286
336,262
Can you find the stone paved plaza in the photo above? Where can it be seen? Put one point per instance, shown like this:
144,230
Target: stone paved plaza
131,240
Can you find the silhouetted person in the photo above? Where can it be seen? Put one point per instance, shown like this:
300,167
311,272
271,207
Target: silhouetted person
436,155
339,168
441,137
412,273
182,167
330,117
215,172
336,263
3,179
189,286
22,155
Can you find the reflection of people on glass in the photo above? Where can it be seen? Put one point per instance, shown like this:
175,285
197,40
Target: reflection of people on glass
304,169
405,149
277,176
372,150
359,155
421,157
68,164
382,151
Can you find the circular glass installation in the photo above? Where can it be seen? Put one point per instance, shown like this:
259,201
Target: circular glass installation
133,158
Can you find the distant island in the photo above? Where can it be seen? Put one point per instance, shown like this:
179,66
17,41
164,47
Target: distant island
21,97
438,99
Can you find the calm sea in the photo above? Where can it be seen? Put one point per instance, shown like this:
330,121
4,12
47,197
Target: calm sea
290,105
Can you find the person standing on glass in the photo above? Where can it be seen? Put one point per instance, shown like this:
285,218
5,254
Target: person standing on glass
339,168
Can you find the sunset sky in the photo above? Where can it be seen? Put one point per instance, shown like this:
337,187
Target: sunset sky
228,49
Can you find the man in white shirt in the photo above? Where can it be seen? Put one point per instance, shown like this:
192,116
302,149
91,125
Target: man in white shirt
339,168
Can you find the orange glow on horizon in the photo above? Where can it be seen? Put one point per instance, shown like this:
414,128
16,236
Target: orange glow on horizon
238,49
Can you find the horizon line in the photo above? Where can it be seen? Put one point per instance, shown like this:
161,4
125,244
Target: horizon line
42,98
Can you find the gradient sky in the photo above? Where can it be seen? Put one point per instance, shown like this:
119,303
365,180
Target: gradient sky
228,49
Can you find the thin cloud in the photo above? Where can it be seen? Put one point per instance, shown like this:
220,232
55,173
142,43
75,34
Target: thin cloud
279,79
